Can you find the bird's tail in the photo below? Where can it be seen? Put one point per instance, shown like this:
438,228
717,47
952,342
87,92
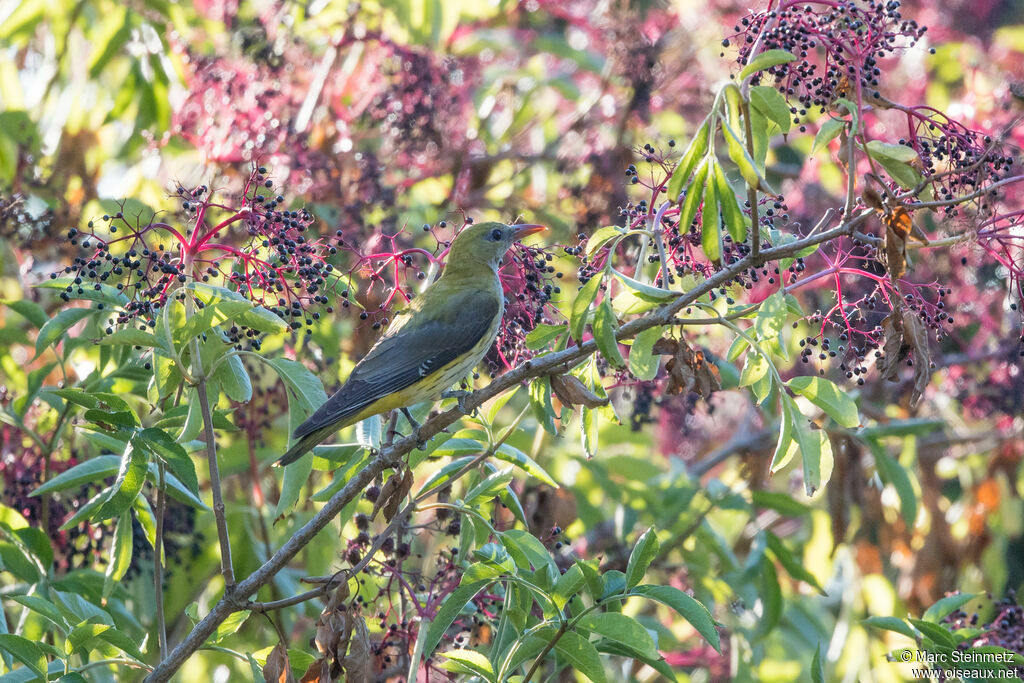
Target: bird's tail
306,444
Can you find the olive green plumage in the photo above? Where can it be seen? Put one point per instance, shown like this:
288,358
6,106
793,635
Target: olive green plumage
432,343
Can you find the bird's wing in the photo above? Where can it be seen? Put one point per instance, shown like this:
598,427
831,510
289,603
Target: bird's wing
430,338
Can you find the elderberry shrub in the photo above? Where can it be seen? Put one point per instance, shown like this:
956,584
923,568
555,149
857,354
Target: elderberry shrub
257,248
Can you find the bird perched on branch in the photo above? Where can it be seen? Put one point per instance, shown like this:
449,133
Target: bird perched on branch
431,344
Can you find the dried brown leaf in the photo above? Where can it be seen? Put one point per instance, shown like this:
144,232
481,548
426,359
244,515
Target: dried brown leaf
571,391
386,491
359,661
278,669
688,370
318,672
916,337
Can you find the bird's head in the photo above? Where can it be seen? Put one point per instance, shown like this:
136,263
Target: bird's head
484,244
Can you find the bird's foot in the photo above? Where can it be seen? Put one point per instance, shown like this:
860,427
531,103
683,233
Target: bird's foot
412,421
460,396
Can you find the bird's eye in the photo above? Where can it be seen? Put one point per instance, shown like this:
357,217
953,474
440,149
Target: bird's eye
496,235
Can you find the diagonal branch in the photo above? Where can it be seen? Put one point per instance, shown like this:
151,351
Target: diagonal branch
391,456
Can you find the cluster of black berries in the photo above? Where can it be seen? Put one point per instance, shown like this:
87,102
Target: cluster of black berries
1005,630
838,46
529,280
271,260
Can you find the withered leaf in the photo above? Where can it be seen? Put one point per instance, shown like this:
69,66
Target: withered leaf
359,661
318,672
571,391
386,491
904,334
398,495
688,370
278,669
916,337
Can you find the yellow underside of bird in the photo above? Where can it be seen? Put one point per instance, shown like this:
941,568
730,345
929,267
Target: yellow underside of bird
429,388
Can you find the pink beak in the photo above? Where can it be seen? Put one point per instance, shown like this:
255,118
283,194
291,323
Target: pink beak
525,229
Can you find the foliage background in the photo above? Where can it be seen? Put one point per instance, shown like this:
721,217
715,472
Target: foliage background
382,117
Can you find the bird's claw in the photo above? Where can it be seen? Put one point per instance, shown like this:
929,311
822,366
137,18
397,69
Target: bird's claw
460,396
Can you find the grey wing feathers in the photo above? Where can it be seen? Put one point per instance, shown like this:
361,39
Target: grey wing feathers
398,361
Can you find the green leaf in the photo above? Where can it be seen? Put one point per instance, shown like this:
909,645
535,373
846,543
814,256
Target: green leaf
210,316
129,336
234,379
540,402
581,306
823,393
120,556
695,151
694,197
756,374
690,609
58,325
96,469
944,607
513,455
489,486
622,629
827,132
295,477
892,472
604,328
172,453
642,361
541,335
603,236
581,655
890,624
229,626
771,598
817,667
644,552
131,476
907,176
29,310
644,290
450,609
735,221
106,294
885,150
786,420
710,221
25,651
780,502
937,634
44,608
770,103
766,60
303,385
468,662
771,316
793,566
568,584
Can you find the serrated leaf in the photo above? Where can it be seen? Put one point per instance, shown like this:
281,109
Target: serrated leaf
735,221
